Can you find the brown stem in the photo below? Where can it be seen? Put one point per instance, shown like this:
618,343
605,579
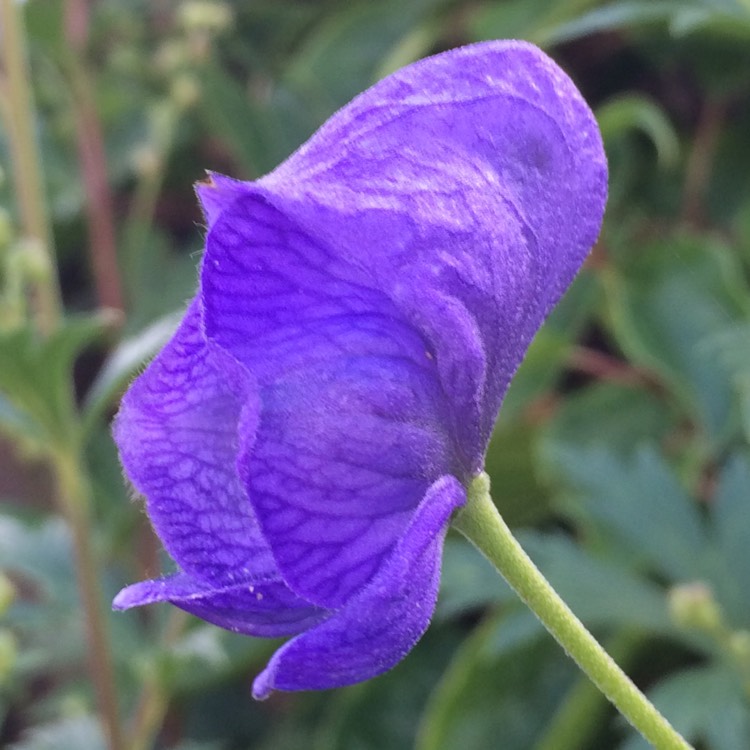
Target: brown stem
74,500
92,159
700,160
603,367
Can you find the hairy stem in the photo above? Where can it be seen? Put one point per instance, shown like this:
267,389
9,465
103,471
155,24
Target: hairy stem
27,174
481,523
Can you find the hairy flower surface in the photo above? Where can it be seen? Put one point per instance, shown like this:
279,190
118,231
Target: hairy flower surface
303,439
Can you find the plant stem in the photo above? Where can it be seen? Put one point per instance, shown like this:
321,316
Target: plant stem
153,702
75,499
27,173
92,160
481,523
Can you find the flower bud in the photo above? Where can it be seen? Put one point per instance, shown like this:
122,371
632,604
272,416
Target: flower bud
692,605
185,91
200,15
7,593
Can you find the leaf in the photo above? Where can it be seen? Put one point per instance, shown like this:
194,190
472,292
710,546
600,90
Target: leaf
731,536
600,593
634,111
621,417
640,505
257,134
522,499
383,713
682,17
486,694
468,581
658,329
36,377
71,733
704,704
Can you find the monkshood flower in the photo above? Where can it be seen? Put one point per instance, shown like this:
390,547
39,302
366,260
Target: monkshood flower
305,436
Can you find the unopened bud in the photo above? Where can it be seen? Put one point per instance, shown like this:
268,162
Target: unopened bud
7,593
32,258
146,160
185,91
692,605
203,15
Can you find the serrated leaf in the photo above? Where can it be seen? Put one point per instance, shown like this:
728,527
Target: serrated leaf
731,537
621,417
640,504
704,704
600,593
36,375
664,310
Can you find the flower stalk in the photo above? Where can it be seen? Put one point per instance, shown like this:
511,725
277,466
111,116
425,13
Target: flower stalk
18,113
480,522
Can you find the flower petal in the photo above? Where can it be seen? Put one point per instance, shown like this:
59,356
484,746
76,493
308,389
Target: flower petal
380,625
267,609
471,183
352,428
217,193
177,435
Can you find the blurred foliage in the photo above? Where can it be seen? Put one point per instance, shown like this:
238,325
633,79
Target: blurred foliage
623,448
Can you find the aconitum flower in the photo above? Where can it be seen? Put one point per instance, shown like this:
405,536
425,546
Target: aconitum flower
305,436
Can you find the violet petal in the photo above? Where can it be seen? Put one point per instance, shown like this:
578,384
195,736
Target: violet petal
380,625
352,426
475,180
266,609
177,435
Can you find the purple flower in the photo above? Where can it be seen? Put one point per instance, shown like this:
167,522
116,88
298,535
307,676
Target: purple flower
305,436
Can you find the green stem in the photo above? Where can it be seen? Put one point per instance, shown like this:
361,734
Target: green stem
75,499
583,711
27,173
481,523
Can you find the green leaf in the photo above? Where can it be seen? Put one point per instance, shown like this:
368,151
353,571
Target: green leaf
634,111
601,594
383,713
640,506
36,378
535,20
71,733
520,497
682,17
621,417
258,135
705,704
731,536
666,307
486,694
468,581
